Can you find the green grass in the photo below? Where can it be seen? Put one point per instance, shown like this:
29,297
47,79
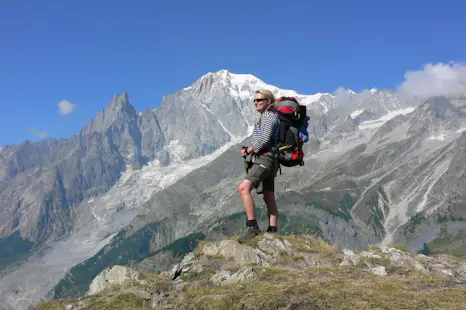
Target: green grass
13,249
344,205
455,246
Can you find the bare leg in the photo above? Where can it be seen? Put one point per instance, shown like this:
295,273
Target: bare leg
244,190
272,209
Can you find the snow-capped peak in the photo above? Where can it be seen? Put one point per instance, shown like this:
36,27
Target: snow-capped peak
223,73
244,86
239,80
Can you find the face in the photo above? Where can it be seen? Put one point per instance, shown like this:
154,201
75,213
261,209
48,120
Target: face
261,103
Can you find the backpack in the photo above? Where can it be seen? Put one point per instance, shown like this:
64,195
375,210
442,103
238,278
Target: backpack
292,131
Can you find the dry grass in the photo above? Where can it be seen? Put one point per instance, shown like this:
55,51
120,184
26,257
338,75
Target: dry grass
400,247
324,287
330,288
128,301
374,261
53,305
153,283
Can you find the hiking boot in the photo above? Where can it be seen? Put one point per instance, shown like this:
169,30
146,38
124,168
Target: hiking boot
272,229
250,233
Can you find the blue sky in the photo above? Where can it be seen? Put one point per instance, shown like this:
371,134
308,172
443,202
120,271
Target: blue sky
85,52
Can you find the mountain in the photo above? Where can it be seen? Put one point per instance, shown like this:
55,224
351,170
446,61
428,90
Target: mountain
43,183
132,184
76,193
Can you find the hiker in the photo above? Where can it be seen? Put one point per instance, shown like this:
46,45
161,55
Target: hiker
264,167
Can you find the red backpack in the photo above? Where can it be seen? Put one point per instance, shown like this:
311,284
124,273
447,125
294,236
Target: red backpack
291,115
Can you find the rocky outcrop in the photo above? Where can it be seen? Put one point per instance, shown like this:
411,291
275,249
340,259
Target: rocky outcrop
286,272
225,277
113,276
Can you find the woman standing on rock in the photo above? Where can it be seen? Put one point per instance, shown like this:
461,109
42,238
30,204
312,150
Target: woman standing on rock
264,169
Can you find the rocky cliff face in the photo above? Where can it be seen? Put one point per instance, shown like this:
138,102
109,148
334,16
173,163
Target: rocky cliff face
41,201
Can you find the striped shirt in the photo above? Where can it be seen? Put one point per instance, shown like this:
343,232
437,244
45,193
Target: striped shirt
264,135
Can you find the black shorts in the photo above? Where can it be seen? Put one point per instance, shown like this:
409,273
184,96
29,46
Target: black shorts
262,173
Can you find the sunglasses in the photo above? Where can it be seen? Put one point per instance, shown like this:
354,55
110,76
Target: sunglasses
259,100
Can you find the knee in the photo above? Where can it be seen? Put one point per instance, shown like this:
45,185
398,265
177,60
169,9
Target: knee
244,187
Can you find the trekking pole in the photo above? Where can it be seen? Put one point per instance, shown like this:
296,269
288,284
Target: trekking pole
246,168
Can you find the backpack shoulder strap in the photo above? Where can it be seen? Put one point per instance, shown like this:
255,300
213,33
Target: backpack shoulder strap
278,132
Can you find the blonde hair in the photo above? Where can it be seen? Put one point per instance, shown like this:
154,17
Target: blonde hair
267,95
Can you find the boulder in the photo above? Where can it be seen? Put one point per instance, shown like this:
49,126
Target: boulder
112,276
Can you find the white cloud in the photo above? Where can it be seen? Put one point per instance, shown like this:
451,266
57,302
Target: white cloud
65,107
37,133
435,80
344,96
